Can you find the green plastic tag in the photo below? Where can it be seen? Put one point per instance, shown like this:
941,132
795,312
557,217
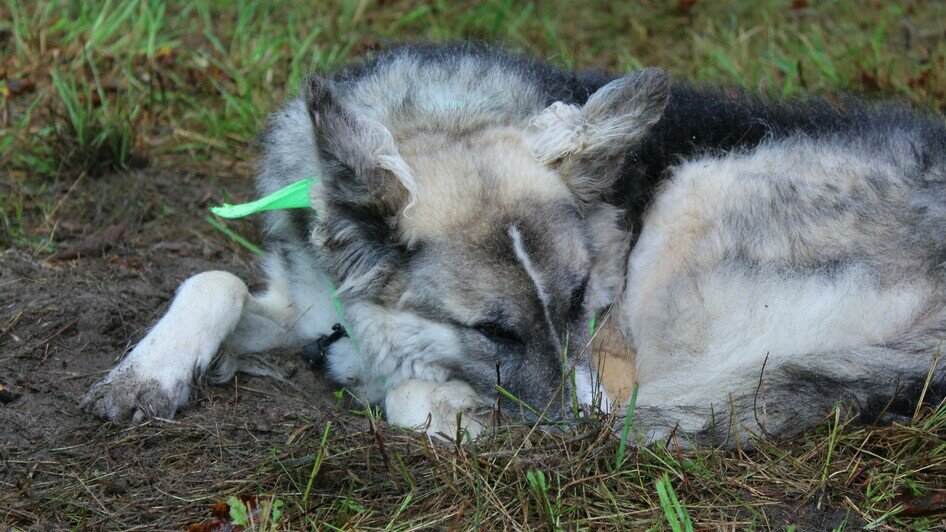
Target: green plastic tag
294,196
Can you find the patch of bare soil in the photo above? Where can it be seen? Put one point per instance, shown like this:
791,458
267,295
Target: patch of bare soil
64,323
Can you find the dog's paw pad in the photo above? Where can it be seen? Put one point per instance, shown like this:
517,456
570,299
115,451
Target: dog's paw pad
124,397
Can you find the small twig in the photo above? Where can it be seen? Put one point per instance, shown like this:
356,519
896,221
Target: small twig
96,499
926,384
377,438
59,204
91,246
11,324
760,391
61,330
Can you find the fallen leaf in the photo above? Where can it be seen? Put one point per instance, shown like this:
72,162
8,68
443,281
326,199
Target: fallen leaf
114,487
221,510
220,522
920,80
210,525
868,80
166,57
132,263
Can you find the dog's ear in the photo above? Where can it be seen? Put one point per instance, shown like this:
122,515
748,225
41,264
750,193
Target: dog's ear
365,184
360,159
587,144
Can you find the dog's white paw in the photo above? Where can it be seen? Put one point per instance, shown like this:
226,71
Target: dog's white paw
127,394
435,407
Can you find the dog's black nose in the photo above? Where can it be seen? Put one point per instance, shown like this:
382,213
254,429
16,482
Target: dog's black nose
315,352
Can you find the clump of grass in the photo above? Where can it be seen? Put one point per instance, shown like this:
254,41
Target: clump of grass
204,76
89,138
677,516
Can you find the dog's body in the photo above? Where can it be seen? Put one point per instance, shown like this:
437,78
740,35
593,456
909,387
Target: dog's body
476,209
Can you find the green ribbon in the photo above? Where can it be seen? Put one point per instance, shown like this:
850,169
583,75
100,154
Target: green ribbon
294,196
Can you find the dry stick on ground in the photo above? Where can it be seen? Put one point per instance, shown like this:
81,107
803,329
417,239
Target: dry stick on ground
91,246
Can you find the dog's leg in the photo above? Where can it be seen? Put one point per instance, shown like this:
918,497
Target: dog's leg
782,398
425,405
755,307
155,378
211,310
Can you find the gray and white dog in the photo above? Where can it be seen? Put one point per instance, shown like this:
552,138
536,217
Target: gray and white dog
766,261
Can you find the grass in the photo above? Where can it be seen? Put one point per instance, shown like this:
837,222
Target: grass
371,476
115,84
91,91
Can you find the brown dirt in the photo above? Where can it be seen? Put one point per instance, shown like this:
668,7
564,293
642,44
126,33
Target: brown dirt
62,325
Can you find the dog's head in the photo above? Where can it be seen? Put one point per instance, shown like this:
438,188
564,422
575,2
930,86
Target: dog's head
480,253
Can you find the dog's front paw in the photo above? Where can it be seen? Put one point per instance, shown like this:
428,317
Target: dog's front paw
126,395
435,408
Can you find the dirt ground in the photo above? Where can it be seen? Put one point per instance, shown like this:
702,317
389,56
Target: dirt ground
63,324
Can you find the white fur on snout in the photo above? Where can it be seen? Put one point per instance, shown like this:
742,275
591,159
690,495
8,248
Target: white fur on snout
397,346
434,407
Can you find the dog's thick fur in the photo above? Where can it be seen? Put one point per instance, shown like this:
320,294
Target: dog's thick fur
765,260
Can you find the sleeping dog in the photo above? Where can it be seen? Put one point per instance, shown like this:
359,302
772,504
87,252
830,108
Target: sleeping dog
475,209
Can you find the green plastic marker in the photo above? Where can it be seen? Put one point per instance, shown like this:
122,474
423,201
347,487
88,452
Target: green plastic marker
294,196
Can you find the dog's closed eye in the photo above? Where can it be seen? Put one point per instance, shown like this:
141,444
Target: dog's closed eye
498,334
578,297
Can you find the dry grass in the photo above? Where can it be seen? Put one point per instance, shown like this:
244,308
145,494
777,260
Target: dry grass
344,472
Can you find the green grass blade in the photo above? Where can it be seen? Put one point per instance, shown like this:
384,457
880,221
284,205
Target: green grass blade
239,239
318,462
626,429
669,513
677,516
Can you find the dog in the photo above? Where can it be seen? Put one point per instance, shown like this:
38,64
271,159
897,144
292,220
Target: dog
760,263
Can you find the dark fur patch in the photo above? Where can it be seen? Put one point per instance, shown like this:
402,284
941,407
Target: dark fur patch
707,120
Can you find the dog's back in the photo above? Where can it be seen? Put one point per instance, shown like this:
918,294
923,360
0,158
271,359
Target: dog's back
791,259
